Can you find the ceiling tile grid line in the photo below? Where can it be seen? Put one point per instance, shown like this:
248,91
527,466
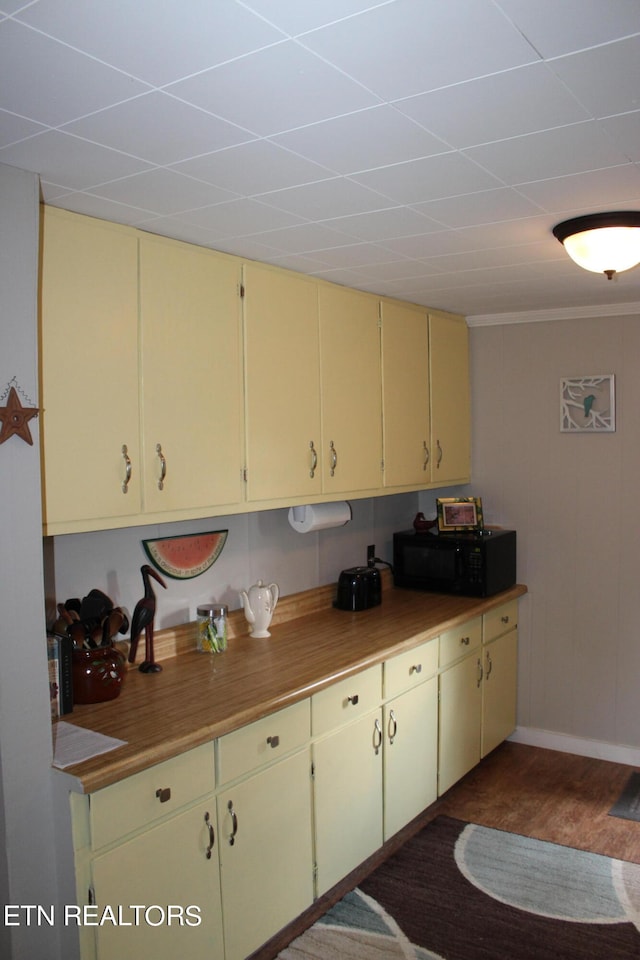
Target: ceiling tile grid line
405,147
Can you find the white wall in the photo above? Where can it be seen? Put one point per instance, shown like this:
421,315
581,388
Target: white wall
573,501
27,867
259,546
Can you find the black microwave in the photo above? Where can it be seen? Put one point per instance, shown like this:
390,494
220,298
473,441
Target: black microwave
469,564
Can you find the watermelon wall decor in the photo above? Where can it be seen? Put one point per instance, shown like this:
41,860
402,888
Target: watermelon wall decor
186,556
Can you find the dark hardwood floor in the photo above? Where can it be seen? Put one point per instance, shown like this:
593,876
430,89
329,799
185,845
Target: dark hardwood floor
538,793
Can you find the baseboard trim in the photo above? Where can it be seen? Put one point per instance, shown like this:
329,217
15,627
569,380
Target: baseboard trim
579,746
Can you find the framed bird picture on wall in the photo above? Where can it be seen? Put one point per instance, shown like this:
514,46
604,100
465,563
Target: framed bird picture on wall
587,404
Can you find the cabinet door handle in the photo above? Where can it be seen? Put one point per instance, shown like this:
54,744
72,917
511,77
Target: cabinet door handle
439,457
425,462
212,836
392,726
333,458
127,468
234,823
489,666
163,466
273,741
314,459
163,794
354,699
480,671
377,737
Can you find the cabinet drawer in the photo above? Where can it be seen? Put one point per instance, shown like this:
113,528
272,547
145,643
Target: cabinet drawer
263,741
411,668
346,700
149,795
499,621
458,641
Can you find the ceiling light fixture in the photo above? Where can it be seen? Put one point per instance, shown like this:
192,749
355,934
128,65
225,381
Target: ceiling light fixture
602,242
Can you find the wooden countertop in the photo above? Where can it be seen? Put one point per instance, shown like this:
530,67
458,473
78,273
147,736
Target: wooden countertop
198,697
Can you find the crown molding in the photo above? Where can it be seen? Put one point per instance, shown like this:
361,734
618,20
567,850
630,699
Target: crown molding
565,313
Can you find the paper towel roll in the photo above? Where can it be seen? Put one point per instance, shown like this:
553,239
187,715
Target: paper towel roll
319,516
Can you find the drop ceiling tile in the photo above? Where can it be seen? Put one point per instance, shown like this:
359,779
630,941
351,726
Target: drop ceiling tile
624,130
157,128
274,90
459,115
606,79
326,199
487,206
51,83
551,153
161,191
303,238
295,17
555,28
356,255
253,168
91,206
405,270
76,164
444,175
427,245
164,40
407,47
384,224
237,218
587,192
14,128
361,141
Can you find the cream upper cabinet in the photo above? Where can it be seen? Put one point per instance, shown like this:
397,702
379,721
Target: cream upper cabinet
351,454
450,399
282,384
405,394
89,378
191,374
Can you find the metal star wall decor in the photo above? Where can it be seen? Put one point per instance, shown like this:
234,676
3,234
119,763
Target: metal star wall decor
15,418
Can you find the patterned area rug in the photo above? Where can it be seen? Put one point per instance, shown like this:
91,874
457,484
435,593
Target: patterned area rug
458,891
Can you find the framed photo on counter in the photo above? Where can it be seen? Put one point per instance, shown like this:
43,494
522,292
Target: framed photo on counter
459,514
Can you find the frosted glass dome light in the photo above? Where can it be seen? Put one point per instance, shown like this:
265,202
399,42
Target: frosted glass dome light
602,242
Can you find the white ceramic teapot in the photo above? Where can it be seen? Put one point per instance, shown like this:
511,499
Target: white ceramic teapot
259,602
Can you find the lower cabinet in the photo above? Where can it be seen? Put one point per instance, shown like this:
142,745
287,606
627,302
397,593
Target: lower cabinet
171,873
265,853
211,853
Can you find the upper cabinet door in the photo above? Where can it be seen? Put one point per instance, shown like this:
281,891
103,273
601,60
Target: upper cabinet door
450,399
191,371
89,363
282,384
405,395
351,390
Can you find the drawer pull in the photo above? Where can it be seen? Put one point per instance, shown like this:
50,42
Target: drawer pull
212,836
377,737
234,823
416,668
392,727
465,640
505,619
354,699
273,741
163,794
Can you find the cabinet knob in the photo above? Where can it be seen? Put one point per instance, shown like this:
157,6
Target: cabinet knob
505,619
416,668
465,640
163,794
273,741
354,699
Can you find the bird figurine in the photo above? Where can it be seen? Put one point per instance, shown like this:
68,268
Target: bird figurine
142,619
